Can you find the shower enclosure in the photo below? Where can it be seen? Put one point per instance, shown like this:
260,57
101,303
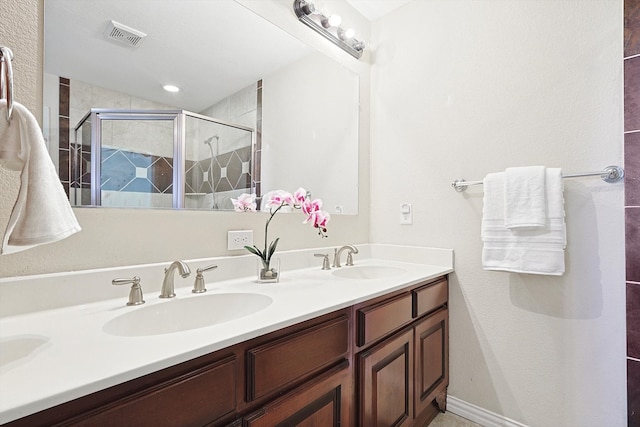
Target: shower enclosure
159,158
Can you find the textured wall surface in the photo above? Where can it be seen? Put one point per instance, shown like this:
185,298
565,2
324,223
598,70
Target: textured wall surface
21,32
463,88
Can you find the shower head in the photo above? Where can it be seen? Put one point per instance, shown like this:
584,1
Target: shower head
208,141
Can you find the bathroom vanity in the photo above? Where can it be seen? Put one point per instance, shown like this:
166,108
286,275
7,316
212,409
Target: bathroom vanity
379,359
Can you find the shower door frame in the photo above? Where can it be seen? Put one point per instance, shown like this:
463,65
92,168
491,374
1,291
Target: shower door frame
178,117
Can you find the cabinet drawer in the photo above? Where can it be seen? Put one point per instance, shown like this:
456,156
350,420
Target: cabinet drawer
429,297
194,399
323,401
379,319
273,366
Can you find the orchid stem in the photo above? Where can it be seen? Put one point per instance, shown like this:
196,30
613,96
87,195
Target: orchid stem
266,231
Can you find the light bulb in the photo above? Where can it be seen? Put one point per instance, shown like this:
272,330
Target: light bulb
308,7
331,21
346,34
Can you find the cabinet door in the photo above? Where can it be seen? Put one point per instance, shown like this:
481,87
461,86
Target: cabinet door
386,382
432,359
322,402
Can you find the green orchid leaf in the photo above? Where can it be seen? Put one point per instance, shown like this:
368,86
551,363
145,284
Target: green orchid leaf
254,250
272,248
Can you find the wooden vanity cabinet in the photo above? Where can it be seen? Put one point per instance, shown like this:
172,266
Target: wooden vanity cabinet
383,362
402,355
224,387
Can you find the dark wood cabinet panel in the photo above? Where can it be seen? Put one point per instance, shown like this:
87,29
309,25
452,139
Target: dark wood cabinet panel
432,358
403,379
386,382
377,320
200,397
322,402
430,297
278,363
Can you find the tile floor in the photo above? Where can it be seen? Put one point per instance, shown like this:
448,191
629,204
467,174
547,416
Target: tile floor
448,419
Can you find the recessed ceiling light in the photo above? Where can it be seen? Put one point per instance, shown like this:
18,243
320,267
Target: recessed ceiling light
171,88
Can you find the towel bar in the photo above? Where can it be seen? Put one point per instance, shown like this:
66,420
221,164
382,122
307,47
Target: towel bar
610,174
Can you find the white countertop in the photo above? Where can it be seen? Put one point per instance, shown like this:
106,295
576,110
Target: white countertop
52,356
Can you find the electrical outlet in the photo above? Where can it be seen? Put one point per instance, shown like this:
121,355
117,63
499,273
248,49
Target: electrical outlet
238,239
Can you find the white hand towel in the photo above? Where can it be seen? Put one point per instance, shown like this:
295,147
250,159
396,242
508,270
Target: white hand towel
524,250
42,213
524,194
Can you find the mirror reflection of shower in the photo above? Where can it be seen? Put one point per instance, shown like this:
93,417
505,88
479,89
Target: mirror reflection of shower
209,172
156,158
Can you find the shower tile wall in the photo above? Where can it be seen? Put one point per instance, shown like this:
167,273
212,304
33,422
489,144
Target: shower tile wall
632,202
230,172
63,143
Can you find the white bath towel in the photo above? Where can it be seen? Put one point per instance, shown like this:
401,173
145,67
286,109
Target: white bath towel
526,250
41,213
524,197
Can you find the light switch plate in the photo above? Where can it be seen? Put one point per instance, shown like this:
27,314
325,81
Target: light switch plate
406,213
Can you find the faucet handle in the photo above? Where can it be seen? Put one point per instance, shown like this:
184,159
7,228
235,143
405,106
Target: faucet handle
135,295
349,258
325,261
198,286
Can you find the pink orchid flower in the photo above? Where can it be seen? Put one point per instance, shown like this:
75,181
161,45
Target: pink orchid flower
319,219
245,203
308,207
279,198
300,196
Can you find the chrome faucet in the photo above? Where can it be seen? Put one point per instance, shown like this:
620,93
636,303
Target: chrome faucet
167,284
337,253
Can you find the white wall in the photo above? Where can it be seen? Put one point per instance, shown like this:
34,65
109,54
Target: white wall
326,137
461,88
112,237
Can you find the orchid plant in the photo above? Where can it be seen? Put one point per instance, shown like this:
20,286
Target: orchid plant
276,201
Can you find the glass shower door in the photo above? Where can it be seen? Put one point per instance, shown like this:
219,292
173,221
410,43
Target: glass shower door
137,161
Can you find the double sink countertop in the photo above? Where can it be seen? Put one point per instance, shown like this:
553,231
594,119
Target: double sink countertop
59,340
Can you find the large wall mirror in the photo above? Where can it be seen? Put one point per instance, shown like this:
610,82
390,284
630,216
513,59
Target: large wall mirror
257,110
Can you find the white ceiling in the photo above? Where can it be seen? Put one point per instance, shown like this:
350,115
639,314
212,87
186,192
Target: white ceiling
210,49
375,9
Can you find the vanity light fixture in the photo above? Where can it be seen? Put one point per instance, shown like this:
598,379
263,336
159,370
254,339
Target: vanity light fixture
329,27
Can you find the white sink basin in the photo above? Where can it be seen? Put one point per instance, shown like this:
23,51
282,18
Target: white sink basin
18,348
368,272
177,315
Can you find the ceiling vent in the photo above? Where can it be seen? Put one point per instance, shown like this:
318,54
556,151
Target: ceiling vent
124,34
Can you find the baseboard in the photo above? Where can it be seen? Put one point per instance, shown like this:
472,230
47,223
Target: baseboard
479,415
